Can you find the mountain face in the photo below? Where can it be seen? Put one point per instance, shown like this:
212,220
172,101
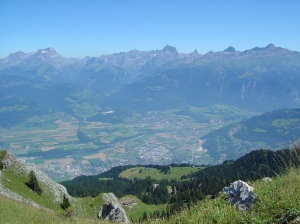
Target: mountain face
31,60
271,130
102,75
261,79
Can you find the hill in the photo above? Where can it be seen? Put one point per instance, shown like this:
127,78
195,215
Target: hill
157,174
272,130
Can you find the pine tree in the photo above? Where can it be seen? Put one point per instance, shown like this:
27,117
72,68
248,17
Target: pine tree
65,204
33,183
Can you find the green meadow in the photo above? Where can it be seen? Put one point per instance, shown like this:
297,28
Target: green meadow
143,172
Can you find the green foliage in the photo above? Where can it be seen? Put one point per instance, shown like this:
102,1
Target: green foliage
33,183
2,155
69,212
145,217
65,203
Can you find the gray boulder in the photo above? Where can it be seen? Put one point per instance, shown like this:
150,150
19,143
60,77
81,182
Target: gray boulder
111,210
266,179
240,195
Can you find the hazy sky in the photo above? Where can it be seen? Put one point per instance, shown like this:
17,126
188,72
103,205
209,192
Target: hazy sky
79,28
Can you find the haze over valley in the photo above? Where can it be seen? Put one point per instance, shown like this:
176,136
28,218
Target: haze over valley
84,116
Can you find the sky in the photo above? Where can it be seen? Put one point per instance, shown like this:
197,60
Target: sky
79,28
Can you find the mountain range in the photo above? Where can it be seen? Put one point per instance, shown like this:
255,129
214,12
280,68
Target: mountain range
137,82
260,79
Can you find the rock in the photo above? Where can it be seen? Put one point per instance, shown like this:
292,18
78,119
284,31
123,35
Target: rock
8,159
111,210
266,179
241,195
297,220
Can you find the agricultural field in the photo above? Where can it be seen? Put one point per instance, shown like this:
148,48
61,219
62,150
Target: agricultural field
65,147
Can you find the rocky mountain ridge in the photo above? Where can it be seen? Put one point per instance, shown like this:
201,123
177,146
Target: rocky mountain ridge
135,59
107,73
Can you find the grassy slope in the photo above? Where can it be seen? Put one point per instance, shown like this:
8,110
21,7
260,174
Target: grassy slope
175,173
15,178
15,212
277,200
137,210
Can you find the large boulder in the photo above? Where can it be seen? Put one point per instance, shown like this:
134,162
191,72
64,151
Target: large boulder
111,210
240,195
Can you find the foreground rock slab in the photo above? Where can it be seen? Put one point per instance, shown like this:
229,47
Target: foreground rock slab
240,195
111,210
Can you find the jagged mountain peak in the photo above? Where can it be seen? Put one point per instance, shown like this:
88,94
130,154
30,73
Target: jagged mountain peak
47,51
170,49
270,46
17,56
229,49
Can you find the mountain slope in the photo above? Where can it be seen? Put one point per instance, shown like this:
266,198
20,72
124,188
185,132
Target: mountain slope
259,79
13,178
269,130
31,60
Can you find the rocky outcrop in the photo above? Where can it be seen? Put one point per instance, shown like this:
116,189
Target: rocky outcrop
111,210
8,159
51,190
240,195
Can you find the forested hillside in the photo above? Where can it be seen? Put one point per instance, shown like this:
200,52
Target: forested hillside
191,188
271,130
